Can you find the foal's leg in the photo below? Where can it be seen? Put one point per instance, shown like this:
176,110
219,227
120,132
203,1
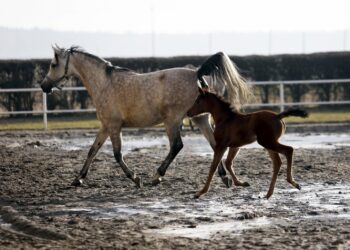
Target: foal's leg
218,153
203,124
232,153
287,151
100,139
173,131
117,145
276,163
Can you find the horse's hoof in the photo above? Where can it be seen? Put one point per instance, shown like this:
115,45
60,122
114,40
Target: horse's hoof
77,182
245,184
156,179
155,182
138,182
227,181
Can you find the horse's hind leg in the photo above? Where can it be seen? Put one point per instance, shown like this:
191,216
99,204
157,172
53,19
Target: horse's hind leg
276,163
219,152
232,153
99,141
173,131
117,145
203,124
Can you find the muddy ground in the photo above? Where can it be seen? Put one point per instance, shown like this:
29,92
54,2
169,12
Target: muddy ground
39,208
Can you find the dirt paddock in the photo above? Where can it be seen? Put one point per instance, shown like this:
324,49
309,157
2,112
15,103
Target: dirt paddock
39,208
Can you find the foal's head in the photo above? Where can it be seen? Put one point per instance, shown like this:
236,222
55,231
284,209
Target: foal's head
209,102
203,104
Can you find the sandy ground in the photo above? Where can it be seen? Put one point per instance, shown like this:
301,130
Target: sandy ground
39,208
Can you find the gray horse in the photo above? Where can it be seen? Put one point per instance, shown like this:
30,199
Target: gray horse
124,98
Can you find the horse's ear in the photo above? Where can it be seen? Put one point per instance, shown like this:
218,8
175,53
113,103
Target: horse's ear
57,50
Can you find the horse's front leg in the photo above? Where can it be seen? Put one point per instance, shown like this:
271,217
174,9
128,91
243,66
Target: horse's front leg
99,141
173,131
203,124
117,145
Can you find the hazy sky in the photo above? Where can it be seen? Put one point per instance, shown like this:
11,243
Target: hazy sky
176,16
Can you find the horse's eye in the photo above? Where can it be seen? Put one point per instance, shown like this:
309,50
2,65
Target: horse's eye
53,65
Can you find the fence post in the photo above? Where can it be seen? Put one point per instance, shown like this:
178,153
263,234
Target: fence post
45,110
281,96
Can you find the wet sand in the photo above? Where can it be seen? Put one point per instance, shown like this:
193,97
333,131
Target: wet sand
39,208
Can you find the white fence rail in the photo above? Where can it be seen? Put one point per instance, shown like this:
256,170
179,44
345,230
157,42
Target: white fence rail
281,102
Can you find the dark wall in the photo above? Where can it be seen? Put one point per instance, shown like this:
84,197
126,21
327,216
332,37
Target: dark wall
27,74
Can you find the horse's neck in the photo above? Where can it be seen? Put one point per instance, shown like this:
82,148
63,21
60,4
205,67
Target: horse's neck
220,110
91,72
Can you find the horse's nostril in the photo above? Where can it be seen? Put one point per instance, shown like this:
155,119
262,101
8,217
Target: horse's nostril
46,88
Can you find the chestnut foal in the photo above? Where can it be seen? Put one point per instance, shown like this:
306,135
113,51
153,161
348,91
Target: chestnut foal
234,129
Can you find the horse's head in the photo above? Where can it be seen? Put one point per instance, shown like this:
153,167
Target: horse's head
58,69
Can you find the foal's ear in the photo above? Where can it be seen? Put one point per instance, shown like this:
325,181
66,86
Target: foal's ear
201,91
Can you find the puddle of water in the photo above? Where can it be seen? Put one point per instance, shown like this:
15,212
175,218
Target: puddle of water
104,211
205,231
129,143
313,202
193,209
3,224
327,199
328,216
196,144
332,198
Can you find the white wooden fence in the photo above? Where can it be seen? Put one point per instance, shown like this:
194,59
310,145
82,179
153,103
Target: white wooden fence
281,102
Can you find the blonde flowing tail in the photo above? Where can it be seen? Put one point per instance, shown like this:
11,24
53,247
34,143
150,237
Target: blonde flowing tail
224,80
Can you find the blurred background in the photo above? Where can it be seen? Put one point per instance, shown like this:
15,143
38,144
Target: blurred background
136,28
295,52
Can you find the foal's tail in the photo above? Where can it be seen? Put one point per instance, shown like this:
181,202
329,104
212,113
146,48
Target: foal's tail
225,80
293,112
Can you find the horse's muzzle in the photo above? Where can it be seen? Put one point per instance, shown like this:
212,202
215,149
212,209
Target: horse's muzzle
46,86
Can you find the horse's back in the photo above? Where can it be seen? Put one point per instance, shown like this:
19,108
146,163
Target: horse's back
168,86
150,98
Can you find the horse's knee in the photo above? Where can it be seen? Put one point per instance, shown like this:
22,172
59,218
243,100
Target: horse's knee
177,145
290,150
118,156
278,162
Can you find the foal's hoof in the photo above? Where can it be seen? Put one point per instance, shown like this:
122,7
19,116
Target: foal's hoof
268,196
138,182
197,195
227,181
296,185
77,182
245,184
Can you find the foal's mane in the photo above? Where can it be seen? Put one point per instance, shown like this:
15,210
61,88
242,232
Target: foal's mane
109,66
224,102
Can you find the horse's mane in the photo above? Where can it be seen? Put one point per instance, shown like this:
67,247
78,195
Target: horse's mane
109,66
